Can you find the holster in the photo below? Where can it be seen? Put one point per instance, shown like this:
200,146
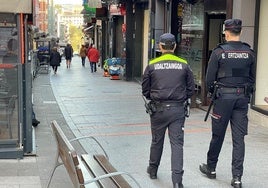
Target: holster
249,89
152,106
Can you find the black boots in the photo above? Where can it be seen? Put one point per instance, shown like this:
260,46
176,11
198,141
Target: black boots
209,172
152,171
236,182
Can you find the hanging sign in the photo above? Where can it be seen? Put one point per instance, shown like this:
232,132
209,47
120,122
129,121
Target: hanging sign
94,3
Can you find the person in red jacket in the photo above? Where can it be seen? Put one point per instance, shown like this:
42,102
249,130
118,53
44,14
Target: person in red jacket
93,57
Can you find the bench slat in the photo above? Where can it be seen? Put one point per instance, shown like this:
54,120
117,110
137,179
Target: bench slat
86,175
107,166
97,170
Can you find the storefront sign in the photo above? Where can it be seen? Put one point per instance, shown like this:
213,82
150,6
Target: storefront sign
117,9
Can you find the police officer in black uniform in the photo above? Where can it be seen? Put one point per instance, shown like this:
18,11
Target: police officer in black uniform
167,82
231,70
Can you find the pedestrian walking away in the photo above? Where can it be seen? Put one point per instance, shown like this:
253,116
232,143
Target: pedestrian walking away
83,54
55,59
93,57
168,83
68,51
231,76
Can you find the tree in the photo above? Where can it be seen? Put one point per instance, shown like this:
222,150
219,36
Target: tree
75,37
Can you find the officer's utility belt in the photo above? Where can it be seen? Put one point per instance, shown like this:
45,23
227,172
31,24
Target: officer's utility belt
160,105
236,90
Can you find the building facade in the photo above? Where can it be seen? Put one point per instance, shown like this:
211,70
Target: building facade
132,29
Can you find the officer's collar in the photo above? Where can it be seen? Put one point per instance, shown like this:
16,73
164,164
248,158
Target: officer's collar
233,42
167,53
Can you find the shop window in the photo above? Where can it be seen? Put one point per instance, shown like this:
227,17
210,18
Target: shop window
190,38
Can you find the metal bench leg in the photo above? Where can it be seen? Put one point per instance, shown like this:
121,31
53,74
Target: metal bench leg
57,164
9,126
111,175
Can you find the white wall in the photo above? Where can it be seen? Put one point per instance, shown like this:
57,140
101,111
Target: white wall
245,10
262,64
146,39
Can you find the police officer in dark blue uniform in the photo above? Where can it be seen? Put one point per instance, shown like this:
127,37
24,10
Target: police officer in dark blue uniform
231,71
167,82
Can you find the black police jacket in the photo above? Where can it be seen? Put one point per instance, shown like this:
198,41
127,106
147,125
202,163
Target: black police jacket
232,64
168,78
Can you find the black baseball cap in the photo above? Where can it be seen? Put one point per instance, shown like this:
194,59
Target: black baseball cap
233,25
167,39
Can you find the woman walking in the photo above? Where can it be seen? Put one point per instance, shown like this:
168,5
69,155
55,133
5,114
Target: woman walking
83,54
68,54
55,59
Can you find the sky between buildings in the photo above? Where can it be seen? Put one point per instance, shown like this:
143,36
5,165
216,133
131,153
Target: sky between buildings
64,2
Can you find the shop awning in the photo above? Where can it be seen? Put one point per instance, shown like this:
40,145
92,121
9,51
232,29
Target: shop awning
16,6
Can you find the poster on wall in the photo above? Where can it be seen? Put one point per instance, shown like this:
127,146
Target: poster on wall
16,6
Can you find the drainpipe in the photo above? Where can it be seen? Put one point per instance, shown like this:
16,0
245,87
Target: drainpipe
151,50
168,15
130,38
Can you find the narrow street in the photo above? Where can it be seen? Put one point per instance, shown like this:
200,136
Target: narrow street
113,112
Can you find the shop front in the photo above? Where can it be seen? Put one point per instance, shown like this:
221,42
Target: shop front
15,86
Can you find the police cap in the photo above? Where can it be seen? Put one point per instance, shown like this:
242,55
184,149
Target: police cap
233,25
167,39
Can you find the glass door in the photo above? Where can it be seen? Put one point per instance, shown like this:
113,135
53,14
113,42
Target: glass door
9,84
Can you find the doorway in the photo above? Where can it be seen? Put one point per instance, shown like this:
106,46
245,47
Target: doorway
213,35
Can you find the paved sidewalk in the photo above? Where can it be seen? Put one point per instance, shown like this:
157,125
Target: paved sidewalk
85,103
113,112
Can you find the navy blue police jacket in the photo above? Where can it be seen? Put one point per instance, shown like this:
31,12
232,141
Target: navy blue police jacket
231,64
168,78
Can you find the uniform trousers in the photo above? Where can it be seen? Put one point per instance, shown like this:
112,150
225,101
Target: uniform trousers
171,118
231,108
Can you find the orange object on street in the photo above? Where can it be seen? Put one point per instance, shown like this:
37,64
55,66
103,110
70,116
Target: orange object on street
106,74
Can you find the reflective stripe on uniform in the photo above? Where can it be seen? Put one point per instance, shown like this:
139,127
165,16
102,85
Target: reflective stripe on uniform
167,57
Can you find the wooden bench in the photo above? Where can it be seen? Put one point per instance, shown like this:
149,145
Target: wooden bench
86,170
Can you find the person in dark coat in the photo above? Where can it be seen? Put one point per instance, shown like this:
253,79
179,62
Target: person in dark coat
55,59
68,51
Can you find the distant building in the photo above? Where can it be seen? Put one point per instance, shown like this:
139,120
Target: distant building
70,14
61,16
41,12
